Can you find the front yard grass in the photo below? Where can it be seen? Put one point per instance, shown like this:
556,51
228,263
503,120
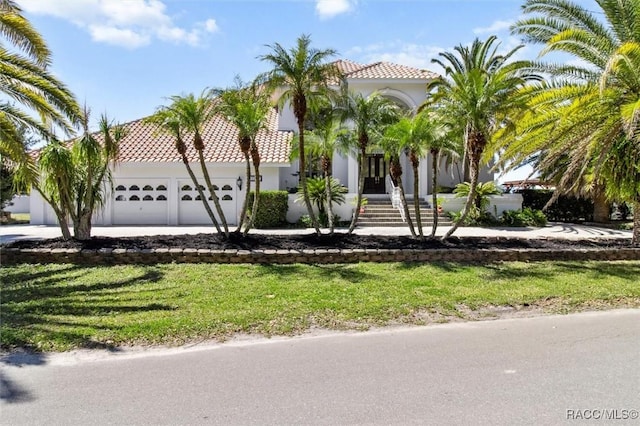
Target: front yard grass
60,307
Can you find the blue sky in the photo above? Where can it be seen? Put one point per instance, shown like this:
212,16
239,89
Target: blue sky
124,57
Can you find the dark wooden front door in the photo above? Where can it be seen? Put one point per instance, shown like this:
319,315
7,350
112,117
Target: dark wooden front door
375,172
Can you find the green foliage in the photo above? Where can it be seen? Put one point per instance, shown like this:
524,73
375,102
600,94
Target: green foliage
7,190
272,209
474,218
318,193
566,208
524,217
483,191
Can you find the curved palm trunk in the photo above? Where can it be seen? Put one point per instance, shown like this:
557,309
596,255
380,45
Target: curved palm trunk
214,196
601,208
356,215
635,241
303,178
434,184
405,207
203,197
327,182
255,155
416,197
60,215
82,226
473,189
245,203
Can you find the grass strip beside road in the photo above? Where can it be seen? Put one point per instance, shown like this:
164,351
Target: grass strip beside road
60,307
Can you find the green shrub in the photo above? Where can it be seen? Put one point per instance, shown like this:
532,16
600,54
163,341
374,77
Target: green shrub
524,217
272,210
565,209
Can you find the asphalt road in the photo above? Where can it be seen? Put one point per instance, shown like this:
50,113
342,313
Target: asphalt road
545,370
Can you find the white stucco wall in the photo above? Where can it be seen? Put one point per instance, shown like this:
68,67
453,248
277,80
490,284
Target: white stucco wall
498,204
19,204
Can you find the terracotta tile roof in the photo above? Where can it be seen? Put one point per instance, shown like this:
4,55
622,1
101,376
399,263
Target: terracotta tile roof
346,66
143,143
386,70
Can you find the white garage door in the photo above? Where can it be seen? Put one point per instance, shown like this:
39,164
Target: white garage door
191,211
140,202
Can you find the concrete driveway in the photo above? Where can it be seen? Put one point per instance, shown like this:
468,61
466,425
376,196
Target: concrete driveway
10,233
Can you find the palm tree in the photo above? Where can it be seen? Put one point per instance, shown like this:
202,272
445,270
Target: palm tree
414,135
73,180
481,90
25,81
246,106
586,117
193,112
166,120
303,75
369,116
327,138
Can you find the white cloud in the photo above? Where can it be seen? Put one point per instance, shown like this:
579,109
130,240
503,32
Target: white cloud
131,24
495,27
329,8
410,54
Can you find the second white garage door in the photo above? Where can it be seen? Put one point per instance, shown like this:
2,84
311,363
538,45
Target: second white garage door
191,211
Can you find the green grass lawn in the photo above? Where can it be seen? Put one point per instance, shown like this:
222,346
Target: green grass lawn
59,307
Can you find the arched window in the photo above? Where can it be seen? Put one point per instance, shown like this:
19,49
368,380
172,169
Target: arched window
134,198
134,188
161,198
120,198
147,188
186,198
121,188
147,198
186,188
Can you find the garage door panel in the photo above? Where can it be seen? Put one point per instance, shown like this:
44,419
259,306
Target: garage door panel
141,202
191,210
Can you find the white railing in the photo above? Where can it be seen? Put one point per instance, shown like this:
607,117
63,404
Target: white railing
396,200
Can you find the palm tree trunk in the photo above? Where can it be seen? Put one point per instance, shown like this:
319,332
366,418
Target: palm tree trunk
601,208
473,189
635,241
434,196
216,201
60,215
416,200
243,212
256,200
327,181
82,226
303,177
405,207
203,197
356,213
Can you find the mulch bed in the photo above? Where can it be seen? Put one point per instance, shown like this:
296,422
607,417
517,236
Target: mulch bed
311,241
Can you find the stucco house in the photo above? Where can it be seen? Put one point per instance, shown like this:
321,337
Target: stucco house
152,187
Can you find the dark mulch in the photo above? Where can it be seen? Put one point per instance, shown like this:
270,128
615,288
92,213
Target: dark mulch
311,241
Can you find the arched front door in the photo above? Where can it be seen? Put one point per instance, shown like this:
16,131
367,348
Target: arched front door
375,172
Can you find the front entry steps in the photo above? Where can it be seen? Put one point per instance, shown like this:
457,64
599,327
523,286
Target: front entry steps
380,212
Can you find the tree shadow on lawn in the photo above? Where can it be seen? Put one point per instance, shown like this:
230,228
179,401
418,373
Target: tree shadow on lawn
29,311
326,272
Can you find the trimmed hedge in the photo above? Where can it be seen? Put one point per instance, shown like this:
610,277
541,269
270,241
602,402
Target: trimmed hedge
565,209
272,211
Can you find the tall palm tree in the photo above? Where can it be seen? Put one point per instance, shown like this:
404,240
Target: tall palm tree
166,120
369,116
246,106
587,117
394,148
25,82
303,74
414,135
327,138
193,113
481,90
